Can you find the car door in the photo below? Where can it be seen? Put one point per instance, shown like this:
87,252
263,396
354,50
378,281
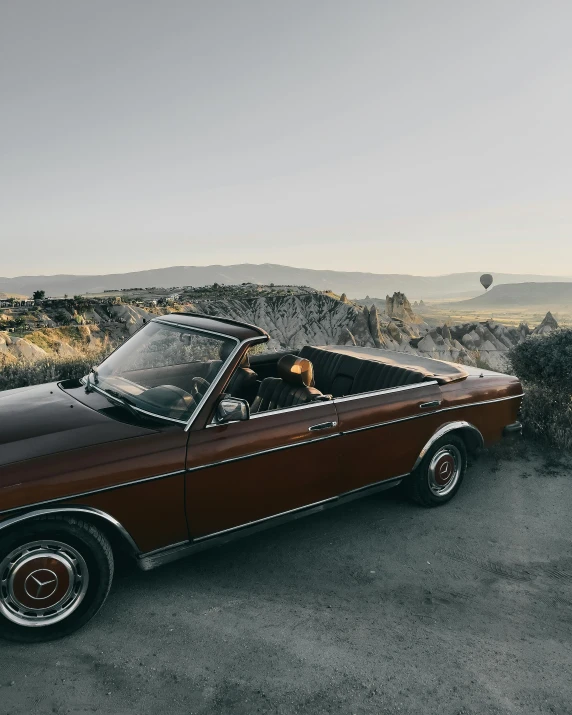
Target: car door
275,462
383,432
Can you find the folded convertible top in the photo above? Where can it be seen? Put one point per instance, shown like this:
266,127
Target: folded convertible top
439,370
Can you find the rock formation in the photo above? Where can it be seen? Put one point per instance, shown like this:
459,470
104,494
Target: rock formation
397,306
547,326
294,318
13,348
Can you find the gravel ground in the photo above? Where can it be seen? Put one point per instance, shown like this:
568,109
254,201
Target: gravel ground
378,606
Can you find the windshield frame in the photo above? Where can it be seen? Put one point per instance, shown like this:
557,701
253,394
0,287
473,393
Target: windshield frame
89,384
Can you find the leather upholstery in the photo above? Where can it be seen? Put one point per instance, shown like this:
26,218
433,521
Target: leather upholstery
292,388
244,384
339,375
295,370
244,381
374,375
334,373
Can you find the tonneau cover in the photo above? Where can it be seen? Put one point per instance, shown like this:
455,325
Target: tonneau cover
439,370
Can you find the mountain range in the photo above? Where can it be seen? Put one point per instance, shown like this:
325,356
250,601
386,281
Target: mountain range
529,294
354,284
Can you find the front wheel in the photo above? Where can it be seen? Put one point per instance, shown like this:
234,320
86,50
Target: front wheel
438,477
55,574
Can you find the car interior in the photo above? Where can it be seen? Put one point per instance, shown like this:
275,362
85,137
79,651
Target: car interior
270,381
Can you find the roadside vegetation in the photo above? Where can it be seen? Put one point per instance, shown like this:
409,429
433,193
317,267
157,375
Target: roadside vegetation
544,364
24,373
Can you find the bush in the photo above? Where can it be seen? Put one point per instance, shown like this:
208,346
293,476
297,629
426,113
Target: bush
22,374
545,360
544,364
547,415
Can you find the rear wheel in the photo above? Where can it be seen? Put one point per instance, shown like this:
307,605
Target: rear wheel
55,574
438,477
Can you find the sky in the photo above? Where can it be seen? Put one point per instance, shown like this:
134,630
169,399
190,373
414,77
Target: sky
392,137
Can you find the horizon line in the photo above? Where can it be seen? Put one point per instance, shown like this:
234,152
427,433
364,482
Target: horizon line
279,265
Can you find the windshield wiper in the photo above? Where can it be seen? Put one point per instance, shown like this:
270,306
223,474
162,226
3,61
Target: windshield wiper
127,403
124,401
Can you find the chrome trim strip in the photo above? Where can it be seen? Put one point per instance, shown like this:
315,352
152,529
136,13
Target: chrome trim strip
280,514
374,487
281,411
483,402
430,414
192,327
217,380
451,427
385,391
93,491
269,413
159,557
264,451
74,510
169,547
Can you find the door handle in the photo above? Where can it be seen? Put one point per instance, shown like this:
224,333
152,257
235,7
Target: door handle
322,425
427,405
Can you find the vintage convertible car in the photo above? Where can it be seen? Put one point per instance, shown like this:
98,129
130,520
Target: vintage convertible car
188,436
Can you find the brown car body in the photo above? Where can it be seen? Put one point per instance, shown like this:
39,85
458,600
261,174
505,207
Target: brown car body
167,490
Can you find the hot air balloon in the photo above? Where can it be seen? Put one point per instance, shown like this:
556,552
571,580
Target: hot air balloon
486,280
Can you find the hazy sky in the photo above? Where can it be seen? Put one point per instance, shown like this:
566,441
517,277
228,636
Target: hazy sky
411,137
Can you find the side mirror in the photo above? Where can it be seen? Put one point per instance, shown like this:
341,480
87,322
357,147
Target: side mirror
232,409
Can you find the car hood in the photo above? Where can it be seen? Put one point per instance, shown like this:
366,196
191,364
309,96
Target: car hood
45,419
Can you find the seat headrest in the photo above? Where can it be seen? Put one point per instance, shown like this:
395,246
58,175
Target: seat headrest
296,370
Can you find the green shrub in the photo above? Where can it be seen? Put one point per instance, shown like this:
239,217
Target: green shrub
22,374
545,360
546,414
544,364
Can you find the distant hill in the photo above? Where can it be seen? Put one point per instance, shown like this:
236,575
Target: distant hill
354,284
553,295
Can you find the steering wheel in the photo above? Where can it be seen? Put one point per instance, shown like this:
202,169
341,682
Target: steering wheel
198,387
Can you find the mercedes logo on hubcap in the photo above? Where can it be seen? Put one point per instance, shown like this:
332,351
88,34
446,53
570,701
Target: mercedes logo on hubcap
444,470
41,584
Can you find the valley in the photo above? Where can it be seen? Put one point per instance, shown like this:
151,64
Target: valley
85,325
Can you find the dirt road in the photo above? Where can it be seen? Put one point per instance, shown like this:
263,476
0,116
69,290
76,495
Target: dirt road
376,607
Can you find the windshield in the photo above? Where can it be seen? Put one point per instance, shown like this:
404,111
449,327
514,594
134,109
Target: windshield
163,369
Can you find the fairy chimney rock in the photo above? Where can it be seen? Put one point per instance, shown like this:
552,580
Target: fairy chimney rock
397,306
547,326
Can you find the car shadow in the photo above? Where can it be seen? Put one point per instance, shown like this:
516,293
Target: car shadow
341,523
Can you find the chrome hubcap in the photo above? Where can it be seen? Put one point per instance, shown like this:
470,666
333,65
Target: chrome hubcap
445,470
42,583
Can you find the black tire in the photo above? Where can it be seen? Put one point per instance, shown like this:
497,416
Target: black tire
63,567
440,473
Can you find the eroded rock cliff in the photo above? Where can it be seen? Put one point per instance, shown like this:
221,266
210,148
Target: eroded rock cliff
297,317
